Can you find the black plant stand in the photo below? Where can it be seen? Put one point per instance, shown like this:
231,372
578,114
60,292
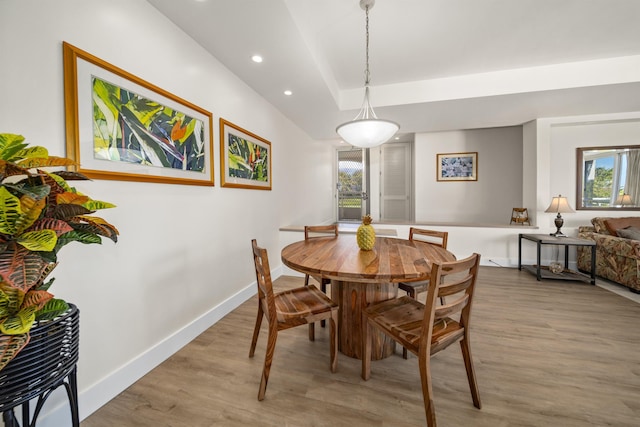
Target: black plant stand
46,363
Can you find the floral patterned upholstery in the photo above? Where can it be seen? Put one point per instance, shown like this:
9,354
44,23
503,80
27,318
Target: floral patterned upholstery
617,258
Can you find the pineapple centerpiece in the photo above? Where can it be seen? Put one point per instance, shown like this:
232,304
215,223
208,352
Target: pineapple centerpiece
366,235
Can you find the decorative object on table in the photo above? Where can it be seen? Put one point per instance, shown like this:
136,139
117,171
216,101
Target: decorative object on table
288,309
132,130
556,266
426,329
39,214
245,158
366,234
457,166
520,216
559,205
624,200
366,130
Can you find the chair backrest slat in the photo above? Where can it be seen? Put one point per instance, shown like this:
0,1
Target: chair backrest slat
450,279
263,279
437,238
311,231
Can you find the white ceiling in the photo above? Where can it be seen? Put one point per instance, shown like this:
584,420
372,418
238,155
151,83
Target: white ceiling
435,64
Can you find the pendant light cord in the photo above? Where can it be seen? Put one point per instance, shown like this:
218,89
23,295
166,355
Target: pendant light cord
367,74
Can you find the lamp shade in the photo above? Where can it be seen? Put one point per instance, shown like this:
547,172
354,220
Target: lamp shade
560,205
367,133
624,200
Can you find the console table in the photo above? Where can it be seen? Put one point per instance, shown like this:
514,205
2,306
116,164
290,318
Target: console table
567,274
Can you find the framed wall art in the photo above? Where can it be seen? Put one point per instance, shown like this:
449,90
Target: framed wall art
245,158
457,167
121,127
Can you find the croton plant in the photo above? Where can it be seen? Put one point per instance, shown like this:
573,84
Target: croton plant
39,214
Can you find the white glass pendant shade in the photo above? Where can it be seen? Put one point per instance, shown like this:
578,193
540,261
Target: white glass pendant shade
367,133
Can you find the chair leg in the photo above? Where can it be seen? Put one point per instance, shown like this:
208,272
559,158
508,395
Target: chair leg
412,294
256,330
333,326
366,348
323,288
427,391
268,359
312,331
471,374
306,280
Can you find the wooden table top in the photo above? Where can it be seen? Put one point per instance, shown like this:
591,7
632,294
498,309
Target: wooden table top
339,258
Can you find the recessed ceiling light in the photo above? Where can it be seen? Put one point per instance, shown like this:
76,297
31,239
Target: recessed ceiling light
288,92
256,58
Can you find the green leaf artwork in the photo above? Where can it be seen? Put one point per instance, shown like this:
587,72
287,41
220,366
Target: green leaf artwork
128,127
247,160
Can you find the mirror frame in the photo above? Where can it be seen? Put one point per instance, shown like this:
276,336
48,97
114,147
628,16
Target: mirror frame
579,178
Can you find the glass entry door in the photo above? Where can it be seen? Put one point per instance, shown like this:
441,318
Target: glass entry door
352,185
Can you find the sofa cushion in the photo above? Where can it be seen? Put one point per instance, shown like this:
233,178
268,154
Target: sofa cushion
632,233
614,224
598,224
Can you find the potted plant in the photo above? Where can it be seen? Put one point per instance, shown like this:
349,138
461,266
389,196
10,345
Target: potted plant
39,214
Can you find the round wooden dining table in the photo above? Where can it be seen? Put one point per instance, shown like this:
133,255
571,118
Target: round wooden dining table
359,278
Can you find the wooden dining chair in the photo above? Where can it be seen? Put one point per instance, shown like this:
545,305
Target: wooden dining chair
426,329
311,232
437,238
288,309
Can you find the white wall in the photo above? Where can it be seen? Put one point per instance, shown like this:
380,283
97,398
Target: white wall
183,259
488,200
557,140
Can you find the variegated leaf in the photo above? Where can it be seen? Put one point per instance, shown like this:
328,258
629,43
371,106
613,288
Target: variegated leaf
10,211
12,299
94,205
69,211
36,299
21,268
78,236
10,145
42,162
52,309
70,175
31,210
113,231
57,225
10,346
27,188
34,151
41,240
71,198
19,323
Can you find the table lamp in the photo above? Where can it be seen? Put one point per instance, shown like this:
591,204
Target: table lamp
624,200
560,205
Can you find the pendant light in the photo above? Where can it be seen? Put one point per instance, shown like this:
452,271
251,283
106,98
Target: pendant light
366,130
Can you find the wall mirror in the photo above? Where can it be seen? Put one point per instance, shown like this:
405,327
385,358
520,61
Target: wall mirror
608,178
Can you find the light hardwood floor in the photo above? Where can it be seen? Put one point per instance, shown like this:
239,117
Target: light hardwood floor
549,353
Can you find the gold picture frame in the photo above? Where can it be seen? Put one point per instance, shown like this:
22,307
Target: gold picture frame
457,166
245,158
121,127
